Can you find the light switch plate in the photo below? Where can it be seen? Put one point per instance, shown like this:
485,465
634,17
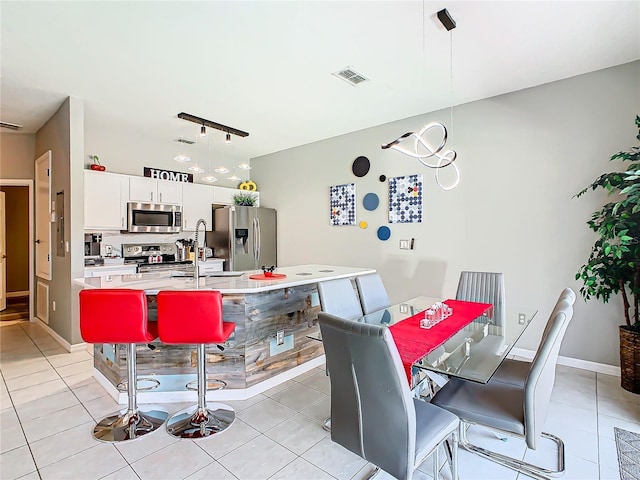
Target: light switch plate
404,244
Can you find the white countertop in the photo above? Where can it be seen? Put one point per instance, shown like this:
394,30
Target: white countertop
152,283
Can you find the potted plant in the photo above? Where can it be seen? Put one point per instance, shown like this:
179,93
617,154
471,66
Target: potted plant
614,263
245,199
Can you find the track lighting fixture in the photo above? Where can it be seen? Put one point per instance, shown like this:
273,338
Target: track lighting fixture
208,123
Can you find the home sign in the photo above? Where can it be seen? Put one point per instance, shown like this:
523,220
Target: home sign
168,175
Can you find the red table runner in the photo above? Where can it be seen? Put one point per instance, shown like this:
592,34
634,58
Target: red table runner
414,342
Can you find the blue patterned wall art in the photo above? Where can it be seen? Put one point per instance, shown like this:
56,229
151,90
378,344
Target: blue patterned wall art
405,199
342,200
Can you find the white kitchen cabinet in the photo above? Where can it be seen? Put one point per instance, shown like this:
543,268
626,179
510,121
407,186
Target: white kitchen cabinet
150,190
224,195
196,204
105,200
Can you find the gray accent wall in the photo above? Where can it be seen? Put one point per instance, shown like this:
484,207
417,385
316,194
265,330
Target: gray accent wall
63,134
522,156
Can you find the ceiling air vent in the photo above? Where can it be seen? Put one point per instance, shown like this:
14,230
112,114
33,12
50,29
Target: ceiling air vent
184,140
10,126
350,76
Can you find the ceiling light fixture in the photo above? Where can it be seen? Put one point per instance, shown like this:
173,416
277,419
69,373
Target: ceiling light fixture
422,148
195,168
228,138
244,166
203,131
234,177
182,158
208,123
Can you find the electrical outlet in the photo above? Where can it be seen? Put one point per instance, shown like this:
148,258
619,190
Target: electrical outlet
404,244
280,337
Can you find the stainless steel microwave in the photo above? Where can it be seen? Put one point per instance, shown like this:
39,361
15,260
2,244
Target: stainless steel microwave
154,218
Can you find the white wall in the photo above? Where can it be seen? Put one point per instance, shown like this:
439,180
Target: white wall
522,155
17,155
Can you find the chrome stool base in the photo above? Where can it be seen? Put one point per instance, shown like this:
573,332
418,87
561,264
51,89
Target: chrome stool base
326,424
193,422
128,425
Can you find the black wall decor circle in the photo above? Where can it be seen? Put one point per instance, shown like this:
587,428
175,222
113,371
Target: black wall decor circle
360,166
382,178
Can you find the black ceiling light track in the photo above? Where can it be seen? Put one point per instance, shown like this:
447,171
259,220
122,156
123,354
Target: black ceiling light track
209,123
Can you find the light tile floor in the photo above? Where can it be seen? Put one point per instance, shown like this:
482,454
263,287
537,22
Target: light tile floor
49,404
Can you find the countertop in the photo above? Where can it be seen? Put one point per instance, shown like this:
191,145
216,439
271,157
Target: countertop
152,283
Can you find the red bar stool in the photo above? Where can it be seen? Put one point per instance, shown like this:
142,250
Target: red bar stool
120,316
195,317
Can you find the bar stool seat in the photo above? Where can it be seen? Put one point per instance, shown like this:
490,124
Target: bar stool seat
195,317
120,316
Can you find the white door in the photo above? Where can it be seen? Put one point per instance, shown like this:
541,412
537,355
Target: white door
43,216
3,255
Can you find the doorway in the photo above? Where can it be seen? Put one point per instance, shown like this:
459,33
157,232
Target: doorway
18,249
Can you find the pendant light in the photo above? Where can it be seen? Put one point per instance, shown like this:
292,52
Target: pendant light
195,168
209,178
420,147
222,169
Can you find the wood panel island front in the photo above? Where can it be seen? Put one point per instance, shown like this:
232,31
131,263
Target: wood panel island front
271,344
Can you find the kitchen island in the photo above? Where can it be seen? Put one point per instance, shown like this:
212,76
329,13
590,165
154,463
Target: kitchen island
254,359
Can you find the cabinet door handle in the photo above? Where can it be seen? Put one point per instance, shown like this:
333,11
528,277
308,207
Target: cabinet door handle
122,222
160,196
152,196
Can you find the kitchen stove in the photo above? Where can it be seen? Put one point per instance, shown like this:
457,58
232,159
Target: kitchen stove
155,257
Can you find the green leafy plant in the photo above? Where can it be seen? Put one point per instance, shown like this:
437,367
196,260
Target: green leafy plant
245,199
614,263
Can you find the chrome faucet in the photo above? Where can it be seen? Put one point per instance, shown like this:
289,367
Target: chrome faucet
201,221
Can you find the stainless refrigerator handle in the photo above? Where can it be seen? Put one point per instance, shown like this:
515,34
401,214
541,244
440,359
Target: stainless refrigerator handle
255,238
259,243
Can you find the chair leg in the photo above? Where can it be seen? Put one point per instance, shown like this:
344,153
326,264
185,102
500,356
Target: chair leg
131,423
453,461
436,463
529,469
201,421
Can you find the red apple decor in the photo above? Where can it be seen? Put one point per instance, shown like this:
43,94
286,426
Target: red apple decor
96,165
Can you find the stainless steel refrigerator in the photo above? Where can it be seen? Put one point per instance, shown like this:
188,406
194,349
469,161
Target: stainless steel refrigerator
244,236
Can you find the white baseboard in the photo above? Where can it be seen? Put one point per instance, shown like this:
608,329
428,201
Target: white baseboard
18,294
572,362
76,347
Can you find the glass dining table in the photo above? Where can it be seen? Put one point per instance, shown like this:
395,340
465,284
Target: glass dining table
475,351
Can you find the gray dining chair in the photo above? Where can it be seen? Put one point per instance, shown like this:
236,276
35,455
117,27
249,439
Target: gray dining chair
485,287
516,371
520,410
373,412
339,298
373,295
